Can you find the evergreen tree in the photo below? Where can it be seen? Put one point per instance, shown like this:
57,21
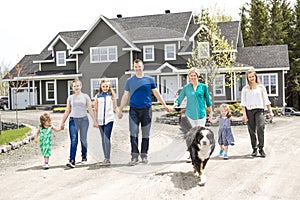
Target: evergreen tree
259,22
245,25
276,33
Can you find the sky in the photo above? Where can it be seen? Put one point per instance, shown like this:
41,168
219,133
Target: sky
27,26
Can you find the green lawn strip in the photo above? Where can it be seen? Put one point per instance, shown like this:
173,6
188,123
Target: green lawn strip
13,135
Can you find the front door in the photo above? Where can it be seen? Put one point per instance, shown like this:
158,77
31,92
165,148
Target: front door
169,87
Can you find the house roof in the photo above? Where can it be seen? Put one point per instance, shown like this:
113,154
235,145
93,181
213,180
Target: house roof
154,27
29,68
274,57
230,30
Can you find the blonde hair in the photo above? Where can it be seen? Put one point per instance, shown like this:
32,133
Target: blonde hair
45,117
194,70
256,77
109,89
226,108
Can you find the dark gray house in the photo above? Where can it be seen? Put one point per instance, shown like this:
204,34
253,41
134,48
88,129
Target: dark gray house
164,42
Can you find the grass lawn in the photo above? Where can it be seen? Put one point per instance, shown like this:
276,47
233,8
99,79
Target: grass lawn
13,135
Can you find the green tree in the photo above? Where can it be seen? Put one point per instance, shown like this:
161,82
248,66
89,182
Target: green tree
293,76
259,22
212,51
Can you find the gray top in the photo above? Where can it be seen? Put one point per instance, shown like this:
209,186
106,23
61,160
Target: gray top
79,105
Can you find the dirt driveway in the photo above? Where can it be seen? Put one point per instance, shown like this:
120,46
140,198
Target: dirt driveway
167,176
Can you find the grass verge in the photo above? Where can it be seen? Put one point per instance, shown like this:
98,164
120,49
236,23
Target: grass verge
13,135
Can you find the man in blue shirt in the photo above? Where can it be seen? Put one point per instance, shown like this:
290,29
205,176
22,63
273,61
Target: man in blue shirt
139,89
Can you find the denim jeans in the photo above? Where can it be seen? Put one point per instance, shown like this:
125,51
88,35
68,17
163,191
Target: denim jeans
105,132
81,125
139,116
256,124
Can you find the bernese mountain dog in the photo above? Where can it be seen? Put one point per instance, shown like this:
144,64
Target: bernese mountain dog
201,144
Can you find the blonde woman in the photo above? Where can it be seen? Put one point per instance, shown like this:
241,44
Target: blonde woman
254,100
77,106
198,98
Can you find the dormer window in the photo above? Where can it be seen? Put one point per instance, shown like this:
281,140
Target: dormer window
203,49
148,53
170,51
60,58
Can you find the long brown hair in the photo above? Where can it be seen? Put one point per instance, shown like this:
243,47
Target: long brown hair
110,90
256,77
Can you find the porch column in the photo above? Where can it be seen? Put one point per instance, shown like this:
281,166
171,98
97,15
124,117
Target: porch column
33,92
41,99
28,93
55,93
283,91
233,87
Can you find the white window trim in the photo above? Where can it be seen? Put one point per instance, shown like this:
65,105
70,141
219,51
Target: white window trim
107,50
266,86
223,88
174,52
57,58
152,52
69,83
47,90
99,79
201,44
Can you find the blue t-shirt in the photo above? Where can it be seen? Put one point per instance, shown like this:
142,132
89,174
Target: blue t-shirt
140,90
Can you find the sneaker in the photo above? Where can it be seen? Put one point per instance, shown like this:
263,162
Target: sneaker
46,166
84,160
262,153
221,152
71,164
106,162
225,157
254,153
144,161
134,161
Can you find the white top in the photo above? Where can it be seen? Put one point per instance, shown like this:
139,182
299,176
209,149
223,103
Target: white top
105,108
256,98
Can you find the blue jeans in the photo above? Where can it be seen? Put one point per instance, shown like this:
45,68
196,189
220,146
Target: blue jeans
81,125
139,116
105,131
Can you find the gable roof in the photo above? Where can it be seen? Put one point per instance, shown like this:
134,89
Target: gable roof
29,68
274,57
162,27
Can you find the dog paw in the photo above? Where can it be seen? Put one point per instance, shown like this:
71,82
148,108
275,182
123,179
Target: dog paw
202,179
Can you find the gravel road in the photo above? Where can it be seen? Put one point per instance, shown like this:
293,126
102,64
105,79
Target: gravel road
167,176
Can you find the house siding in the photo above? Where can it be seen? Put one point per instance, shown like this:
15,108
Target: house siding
103,35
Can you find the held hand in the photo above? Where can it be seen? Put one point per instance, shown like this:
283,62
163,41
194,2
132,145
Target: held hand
168,108
244,118
120,114
271,115
96,125
37,139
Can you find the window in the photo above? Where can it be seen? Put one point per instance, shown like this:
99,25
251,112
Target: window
219,86
270,82
50,91
95,84
70,88
104,54
170,52
148,53
203,49
61,58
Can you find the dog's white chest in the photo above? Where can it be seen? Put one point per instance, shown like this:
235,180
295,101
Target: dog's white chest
204,151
